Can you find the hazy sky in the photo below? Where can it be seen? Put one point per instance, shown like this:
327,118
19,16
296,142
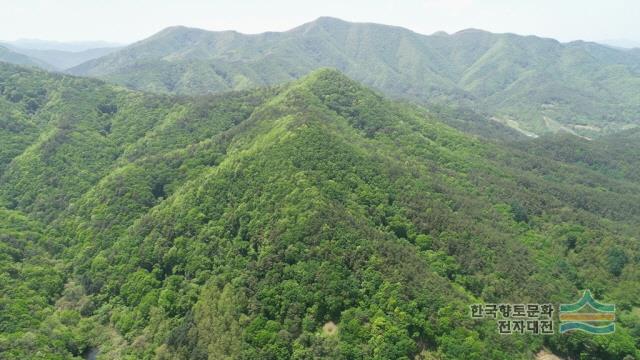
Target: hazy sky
130,20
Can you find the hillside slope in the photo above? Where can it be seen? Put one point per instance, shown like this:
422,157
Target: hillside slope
616,156
310,220
532,84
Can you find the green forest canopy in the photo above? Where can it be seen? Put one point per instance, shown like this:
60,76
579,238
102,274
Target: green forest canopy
239,225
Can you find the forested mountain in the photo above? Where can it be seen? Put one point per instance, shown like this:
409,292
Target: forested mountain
532,84
9,56
309,220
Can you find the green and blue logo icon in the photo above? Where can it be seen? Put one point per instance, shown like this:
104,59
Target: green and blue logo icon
588,315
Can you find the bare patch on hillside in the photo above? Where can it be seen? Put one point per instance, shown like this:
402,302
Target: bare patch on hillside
330,328
546,355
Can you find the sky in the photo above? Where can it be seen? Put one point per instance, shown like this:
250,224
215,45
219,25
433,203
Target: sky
126,21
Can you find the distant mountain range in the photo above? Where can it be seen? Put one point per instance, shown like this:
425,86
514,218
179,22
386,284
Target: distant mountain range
71,46
51,55
10,56
61,60
531,84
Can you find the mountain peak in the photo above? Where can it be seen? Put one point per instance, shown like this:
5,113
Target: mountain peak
323,22
328,20
327,79
472,31
326,72
178,29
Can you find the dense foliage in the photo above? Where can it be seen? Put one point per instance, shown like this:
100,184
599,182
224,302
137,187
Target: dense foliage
310,220
531,84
